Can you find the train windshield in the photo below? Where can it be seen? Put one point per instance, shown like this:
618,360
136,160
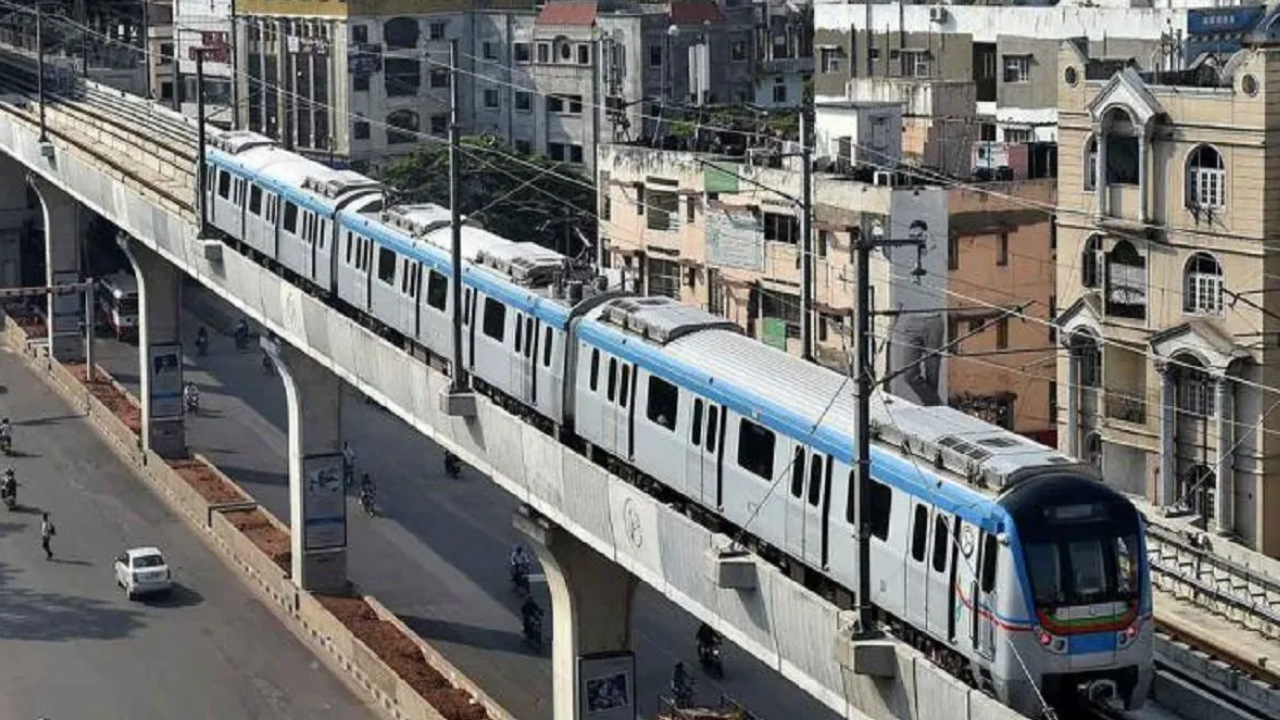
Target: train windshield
1089,564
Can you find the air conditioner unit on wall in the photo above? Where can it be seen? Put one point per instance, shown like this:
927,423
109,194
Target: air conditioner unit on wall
937,14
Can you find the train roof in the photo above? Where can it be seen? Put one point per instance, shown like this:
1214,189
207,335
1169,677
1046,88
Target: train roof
307,183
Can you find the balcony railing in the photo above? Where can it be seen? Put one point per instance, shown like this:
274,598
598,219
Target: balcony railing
1126,407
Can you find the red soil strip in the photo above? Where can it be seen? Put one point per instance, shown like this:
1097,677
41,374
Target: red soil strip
404,657
204,480
117,402
270,539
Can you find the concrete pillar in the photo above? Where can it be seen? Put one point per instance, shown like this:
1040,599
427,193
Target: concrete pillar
64,228
159,349
1144,139
1101,194
1073,403
1168,433
590,615
13,219
317,497
1224,457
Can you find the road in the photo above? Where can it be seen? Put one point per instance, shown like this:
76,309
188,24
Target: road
438,556
71,646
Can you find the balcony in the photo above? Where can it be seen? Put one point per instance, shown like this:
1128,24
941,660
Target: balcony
787,66
1123,202
1126,407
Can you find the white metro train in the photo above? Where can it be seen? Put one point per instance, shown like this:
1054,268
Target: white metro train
1011,563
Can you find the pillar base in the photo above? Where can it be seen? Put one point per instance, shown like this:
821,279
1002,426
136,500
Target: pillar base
167,437
325,571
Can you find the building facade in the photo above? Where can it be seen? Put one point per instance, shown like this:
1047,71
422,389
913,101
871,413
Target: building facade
702,228
1166,204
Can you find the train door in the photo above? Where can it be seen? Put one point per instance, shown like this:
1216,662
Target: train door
939,576
815,491
915,594
794,541
516,381
713,457
983,594
693,450
626,399
529,386
469,332
608,408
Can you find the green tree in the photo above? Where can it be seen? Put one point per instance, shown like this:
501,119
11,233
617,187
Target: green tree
532,200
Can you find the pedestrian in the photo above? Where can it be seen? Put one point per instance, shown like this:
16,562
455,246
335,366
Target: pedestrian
47,531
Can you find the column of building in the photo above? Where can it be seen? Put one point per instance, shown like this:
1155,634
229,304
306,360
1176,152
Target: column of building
1224,455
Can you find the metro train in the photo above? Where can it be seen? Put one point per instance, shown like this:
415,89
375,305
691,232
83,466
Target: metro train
1008,562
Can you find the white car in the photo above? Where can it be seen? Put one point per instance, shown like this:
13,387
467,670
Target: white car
143,571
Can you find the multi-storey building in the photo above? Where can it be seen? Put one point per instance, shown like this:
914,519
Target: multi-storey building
1167,203
203,25
362,78
724,234
784,46
1009,52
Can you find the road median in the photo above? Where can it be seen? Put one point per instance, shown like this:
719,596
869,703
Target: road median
377,656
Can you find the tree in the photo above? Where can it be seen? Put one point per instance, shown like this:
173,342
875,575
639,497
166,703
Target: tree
533,199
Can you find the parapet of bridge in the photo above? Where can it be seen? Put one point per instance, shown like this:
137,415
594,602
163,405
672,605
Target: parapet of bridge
789,628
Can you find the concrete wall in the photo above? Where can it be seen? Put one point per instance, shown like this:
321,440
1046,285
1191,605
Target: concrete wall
783,624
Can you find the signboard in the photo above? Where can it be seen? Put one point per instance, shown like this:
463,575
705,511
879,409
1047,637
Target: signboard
716,179
324,503
607,686
918,295
773,332
165,387
735,239
1216,21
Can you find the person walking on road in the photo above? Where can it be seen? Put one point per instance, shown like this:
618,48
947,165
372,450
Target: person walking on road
47,531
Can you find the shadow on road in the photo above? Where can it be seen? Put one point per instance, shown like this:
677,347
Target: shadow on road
180,597
430,629
27,614
7,528
51,420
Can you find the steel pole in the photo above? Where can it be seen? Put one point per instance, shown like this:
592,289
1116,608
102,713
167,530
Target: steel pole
88,331
455,218
202,175
806,236
235,70
596,115
44,136
863,373
146,47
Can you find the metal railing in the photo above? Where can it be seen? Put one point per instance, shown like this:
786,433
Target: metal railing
1185,569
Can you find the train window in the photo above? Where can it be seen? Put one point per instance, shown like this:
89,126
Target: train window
417,279
696,433
546,347
519,333
815,480
940,543
797,474
713,416
919,533
613,378
386,263
595,369
755,449
255,200
437,290
495,319
990,558
881,509
224,185
349,244
404,276
529,338
664,399
324,233
624,392
290,217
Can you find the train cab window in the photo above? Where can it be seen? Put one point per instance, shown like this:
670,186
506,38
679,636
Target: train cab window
386,264
815,480
495,319
624,392
255,200
940,543
437,290
546,347
919,533
224,185
664,399
695,434
613,379
290,217
797,474
595,369
755,449
713,426
990,559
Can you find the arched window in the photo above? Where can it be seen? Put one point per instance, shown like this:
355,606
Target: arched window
400,33
1126,282
1084,346
1206,179
1091,163
1202,285
1195,388
402,127
1089,275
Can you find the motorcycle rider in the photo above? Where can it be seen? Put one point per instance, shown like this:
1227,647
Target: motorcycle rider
452,464
682,687
242,333
367,492
202,340
10,486
530,613
191,394
519,565
6,433
708,639
348,463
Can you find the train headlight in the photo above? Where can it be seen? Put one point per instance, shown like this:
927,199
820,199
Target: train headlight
1053,643
1127,636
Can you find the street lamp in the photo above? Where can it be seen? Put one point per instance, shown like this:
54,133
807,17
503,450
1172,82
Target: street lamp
44,136
202,174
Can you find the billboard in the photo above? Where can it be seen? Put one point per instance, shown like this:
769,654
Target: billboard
607,686
917,296
324,503
165,386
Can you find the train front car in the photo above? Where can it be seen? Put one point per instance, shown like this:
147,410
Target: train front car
1083,573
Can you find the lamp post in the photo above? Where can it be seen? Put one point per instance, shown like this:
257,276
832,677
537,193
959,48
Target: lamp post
202,176
44,135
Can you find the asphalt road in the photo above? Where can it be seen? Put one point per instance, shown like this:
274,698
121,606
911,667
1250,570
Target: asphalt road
438,556
71,646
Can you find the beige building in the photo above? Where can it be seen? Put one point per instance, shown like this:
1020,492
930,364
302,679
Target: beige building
1166,202
704,229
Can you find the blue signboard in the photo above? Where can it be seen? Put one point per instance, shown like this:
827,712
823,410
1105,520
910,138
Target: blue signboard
1227,20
